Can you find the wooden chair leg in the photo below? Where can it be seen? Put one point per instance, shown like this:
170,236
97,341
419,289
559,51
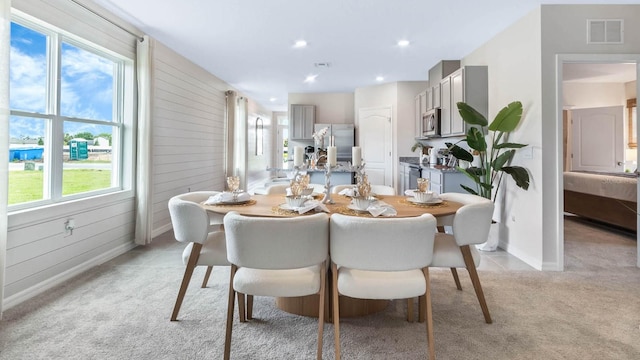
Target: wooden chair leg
336,310
241,308
323,287
475,280
410,310
206,276
230,303
186,278
427,305
454,272
422,313
249,307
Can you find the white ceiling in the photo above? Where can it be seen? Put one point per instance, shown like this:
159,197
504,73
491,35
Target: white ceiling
249,43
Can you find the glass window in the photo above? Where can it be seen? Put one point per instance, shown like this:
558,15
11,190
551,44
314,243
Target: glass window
66,129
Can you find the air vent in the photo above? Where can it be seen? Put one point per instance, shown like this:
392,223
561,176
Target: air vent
609,31
322,64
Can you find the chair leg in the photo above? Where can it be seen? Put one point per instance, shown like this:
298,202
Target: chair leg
410,309
475,280
427,305
422,314
336,310
241,308
186,278
230,303
249,307
323,287
454,272
206,276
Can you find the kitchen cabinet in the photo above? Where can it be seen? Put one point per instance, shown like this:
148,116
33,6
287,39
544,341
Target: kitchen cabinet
435,96
403,179
468,84
420,108
444,181
302,118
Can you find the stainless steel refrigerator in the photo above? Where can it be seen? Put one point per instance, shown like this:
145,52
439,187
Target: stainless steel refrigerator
344,137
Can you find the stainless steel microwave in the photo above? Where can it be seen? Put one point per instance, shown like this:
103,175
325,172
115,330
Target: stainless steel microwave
431,123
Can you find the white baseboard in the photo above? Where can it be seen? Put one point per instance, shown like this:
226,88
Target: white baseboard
64,276
161,230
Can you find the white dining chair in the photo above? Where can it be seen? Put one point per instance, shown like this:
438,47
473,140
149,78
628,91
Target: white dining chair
215,220
278,189
470,226
337,188
191,225
278,257
375,189
373,258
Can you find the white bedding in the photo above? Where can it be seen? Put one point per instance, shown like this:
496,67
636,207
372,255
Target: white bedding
615,187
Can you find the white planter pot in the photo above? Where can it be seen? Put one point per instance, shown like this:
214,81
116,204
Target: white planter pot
492,240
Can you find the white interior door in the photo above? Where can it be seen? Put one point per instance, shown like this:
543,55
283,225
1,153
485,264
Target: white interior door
597,139
375,139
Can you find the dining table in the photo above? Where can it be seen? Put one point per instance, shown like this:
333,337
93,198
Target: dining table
274,205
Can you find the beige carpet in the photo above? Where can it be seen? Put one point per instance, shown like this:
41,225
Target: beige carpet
121,310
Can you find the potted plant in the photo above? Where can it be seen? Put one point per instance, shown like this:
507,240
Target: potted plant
495,152
495,159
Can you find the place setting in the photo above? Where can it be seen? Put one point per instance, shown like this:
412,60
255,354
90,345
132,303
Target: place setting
234,196
422,196
300,198
364,203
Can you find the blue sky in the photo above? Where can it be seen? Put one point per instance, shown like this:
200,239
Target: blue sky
86,84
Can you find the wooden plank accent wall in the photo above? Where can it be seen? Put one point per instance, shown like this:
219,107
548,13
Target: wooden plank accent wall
188,118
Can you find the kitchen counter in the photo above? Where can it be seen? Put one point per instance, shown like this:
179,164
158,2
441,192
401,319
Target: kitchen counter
413,161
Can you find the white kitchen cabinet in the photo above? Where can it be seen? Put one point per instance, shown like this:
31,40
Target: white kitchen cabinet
435,96
403,178
468,84
302,118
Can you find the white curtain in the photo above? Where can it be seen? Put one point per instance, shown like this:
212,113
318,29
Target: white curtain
5,32
144,205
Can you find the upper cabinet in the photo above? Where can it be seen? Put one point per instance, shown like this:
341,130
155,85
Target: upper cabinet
468,84
421,101
302,118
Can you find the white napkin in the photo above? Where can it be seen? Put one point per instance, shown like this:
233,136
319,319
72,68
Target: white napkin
225,197
378,208
310,205
411,193
346,192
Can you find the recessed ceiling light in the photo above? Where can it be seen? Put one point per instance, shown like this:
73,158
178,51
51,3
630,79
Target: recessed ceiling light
272,99
310,78
403,43
300,44
379,78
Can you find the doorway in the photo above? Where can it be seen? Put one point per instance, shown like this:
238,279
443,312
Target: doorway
571,68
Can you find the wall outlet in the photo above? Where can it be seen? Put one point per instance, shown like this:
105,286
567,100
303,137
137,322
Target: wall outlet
69,225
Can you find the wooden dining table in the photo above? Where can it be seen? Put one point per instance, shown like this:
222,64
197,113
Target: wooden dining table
272,206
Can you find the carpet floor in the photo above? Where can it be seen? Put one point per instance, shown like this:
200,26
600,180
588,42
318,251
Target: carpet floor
121,310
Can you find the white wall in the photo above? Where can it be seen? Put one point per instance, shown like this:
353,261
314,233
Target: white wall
513,60
580,95
563,33
331,108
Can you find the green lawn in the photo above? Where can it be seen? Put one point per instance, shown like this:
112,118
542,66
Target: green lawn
27,185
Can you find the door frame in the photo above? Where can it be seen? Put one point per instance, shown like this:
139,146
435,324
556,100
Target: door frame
581,58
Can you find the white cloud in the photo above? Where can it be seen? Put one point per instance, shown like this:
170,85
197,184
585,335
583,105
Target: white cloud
28,81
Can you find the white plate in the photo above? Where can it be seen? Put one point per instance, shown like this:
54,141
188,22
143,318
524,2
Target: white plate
354,208
289,208
430,202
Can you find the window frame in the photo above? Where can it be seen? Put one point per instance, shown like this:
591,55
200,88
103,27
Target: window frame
122,121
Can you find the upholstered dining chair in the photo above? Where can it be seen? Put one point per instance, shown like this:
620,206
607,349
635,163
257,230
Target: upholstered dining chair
373,258
277,189
470,226
191,225
279,257
375,189
215,220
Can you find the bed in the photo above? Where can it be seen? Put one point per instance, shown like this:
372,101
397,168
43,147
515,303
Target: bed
604,197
